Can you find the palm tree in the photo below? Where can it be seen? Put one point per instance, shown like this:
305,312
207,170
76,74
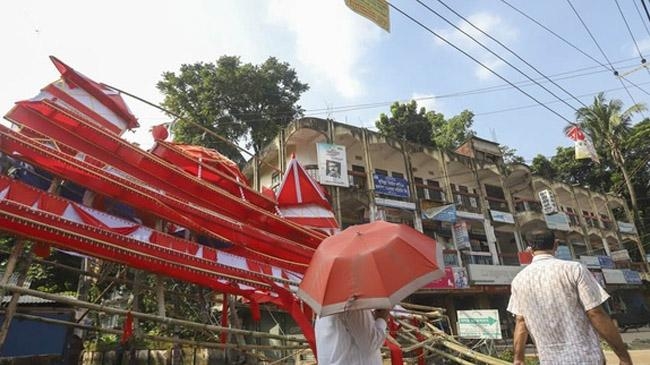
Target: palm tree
608,126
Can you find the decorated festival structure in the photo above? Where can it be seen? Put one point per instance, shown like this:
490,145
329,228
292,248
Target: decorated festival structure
184,212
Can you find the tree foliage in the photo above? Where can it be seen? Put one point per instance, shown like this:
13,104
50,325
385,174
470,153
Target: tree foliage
427,128
608,126
238,101
565,168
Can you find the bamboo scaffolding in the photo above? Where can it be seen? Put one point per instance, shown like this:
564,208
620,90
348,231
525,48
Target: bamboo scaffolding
442,339
146,316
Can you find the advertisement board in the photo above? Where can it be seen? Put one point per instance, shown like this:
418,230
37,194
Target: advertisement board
478,324
332,164
461,235
391,186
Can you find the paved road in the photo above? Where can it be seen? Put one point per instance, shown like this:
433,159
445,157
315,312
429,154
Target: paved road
639,341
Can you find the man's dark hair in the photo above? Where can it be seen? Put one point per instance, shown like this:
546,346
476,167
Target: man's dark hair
541,240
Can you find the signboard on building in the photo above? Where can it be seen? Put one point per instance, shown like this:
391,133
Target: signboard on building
469,215
620,255
332,165
479,324
625,227
606,262
632,277
395,203
445,213
504,217
461,235
591,262
492,274
613,276
391,186
455,278
546,198
558,221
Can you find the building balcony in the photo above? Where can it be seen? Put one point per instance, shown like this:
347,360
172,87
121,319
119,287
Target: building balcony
528,210
467,202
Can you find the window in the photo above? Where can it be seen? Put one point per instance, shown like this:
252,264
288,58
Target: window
397,175
381,172
358,177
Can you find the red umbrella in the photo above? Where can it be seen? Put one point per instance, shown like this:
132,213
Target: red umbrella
373,265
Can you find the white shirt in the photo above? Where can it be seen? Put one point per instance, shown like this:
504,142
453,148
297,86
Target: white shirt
553,296
350,338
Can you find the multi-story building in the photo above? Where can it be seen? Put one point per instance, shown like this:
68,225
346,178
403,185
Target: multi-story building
477,208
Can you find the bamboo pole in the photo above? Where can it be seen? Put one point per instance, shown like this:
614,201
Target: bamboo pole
145,316
16,251
215,345
13,304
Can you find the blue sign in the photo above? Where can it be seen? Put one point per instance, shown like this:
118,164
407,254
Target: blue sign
631,276
606,262
445,213
391,186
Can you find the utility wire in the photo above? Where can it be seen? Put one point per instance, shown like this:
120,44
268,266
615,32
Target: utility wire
549,102
554,33
476,60
489,50
514,54
604,55
638,11
575,11
627,25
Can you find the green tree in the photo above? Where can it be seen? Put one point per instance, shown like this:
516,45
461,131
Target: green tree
424,127
543,167
240,102
450,134
608,125
406,122
565,168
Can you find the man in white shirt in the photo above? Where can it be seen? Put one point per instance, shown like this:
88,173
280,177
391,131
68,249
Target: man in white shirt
351,338
559,303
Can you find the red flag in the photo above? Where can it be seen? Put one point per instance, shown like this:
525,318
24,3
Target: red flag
127,328
575,133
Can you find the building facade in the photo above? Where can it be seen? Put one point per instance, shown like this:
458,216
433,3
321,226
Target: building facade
477,208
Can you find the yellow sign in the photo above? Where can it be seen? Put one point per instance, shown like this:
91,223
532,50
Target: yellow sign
375,10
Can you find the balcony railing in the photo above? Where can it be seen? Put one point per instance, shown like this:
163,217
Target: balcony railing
527,205
591,221
430,192
481,258
467,202
498,204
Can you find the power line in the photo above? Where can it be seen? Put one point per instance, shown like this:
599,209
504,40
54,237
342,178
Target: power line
549,102
603,53
554,33
475,60
627,25
514,54
575,11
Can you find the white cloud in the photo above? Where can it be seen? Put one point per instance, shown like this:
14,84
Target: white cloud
330,41
490,24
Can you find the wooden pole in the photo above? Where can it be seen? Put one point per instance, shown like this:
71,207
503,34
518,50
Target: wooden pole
145,316
16,251
11,308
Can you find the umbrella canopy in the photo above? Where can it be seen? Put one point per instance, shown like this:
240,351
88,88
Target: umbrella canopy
366,266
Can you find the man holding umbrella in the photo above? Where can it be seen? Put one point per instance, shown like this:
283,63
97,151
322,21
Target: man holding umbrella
352,337
365,267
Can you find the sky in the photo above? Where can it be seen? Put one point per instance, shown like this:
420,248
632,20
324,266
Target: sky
355,69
